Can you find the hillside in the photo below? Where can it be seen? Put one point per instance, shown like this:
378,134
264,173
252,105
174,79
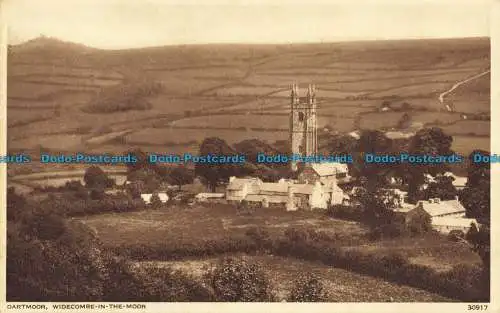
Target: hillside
69,97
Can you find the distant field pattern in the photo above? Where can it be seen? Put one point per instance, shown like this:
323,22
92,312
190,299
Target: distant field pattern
48,93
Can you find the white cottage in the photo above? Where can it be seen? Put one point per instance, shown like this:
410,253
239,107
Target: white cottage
146,197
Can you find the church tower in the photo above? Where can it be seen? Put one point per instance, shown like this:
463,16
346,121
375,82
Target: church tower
303,124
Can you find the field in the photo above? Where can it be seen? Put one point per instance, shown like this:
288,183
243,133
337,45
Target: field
214,223
52,83
184,227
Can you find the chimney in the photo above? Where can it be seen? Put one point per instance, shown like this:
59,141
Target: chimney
232,178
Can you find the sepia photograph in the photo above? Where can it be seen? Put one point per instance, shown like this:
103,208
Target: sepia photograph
307,152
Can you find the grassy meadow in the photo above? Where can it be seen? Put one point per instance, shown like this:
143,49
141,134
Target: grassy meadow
184,227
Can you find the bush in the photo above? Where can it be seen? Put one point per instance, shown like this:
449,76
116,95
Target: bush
354,213
97,194
260,236
16,205
46,268
238,280
308,288
167,285
155,201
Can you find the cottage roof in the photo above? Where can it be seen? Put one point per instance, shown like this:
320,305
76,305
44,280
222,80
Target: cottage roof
329,169
209,195
453,221
274,187
238,183
442,207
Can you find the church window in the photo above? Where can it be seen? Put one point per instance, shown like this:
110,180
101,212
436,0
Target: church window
301,116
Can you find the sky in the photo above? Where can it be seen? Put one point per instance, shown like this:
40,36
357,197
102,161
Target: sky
113,24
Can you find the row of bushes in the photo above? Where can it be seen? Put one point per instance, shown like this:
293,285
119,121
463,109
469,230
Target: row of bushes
175,250
465,283
81,207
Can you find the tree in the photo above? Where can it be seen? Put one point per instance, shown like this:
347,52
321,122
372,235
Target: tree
344,144
95,177
441,188
476,201
308,288
135,188
476,196
180,176
478,173
372,142
148,178
377,215
236,280
405,121
213,173
479,242
428,141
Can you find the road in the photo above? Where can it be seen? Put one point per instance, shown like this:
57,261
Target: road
455,86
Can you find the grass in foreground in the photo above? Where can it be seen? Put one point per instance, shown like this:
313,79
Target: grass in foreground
341,285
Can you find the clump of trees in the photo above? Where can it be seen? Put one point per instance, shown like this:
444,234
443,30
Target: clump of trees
96,178
128,96
215,173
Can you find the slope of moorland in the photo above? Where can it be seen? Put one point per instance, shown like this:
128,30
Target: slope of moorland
68,97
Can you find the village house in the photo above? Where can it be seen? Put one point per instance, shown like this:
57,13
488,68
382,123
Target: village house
290,194
445,215
146,197
442,208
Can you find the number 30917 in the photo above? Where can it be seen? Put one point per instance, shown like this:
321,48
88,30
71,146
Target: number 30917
477,307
